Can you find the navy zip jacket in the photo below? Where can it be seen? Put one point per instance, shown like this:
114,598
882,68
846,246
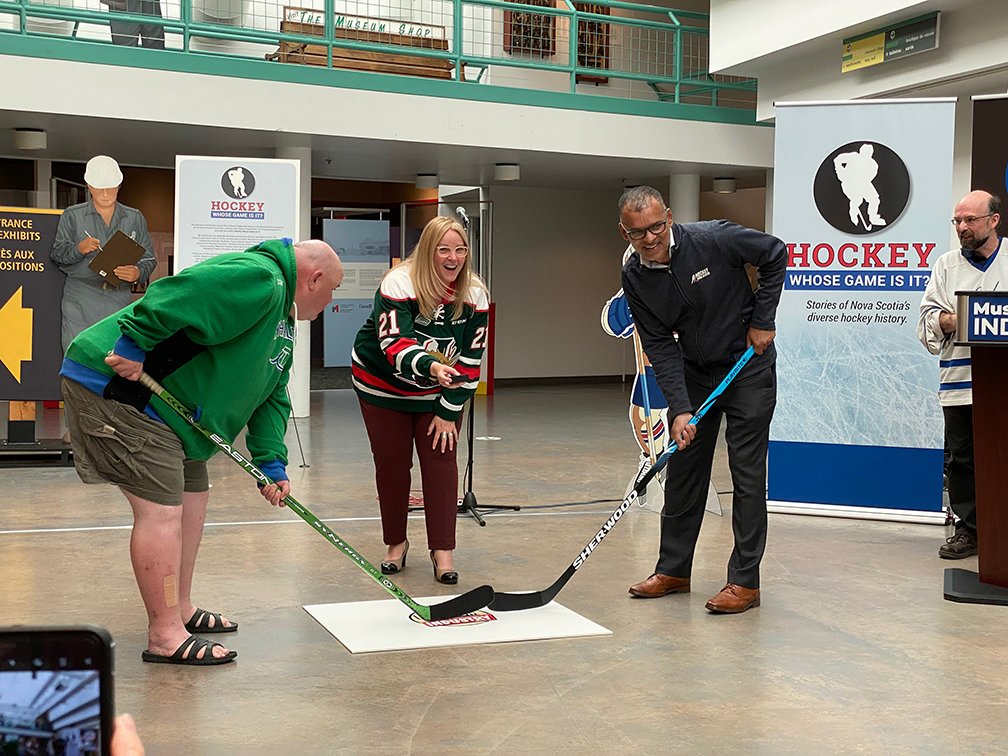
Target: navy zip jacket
705,296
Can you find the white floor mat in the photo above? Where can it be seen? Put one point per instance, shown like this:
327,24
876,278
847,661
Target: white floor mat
366,626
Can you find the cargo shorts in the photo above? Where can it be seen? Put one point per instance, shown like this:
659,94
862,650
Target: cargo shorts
115,443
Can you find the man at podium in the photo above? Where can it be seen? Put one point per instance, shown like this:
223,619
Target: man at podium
977,266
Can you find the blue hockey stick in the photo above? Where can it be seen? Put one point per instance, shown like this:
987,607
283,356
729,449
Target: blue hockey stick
510,602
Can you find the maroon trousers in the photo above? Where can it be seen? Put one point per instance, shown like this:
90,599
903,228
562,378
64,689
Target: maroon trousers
392,435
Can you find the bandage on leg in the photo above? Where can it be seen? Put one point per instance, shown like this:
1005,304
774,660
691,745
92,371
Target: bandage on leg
170,591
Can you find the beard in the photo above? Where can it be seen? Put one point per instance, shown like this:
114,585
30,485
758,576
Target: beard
970,241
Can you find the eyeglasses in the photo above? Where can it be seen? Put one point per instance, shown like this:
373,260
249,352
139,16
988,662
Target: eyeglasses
969,220
636,234
460,251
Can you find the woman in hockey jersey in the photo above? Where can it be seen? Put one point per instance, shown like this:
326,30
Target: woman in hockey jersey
416,361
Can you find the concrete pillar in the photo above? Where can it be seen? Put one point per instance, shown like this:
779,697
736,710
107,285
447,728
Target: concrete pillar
684,197
296,148
962,159
43,180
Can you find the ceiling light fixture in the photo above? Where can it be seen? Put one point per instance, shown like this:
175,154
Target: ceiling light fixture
426,181
723,185
507,172
30,139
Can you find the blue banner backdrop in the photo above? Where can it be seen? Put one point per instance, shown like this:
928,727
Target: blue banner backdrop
862,196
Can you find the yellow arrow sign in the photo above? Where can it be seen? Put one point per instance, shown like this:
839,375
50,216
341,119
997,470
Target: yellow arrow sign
15,334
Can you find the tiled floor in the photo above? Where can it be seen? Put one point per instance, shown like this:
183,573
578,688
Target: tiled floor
852,650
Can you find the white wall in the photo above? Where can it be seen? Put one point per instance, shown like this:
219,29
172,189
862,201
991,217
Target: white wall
971,56
556,262
743,30
746,207
557,259
40,85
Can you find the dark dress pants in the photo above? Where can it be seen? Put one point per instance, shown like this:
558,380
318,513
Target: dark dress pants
961,479
748,404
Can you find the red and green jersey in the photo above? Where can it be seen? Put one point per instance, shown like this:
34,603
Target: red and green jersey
395,348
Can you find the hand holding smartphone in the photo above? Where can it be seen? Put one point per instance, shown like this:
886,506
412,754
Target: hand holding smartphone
56,684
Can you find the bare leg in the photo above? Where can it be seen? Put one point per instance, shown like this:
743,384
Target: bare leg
194,506
156,550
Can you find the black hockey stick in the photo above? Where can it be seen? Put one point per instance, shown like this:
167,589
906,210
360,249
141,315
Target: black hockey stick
511,602
468,602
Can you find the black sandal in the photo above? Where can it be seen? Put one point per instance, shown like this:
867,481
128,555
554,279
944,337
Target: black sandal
202,616
188,653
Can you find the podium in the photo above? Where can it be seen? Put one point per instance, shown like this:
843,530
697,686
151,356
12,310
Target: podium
982,325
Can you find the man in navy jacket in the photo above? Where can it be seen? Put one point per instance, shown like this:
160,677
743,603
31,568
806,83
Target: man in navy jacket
696,312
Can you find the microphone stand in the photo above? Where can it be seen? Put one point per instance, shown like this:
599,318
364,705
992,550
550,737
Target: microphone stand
469,505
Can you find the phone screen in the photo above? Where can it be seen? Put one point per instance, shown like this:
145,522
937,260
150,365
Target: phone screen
55,691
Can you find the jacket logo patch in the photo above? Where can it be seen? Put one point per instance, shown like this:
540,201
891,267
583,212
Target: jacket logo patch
700,275
284,331
280,360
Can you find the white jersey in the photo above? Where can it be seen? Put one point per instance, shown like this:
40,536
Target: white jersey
953,272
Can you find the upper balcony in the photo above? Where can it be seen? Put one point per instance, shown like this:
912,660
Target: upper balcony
605,57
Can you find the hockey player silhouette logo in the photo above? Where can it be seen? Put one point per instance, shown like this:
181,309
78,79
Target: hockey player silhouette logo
238,182
861,188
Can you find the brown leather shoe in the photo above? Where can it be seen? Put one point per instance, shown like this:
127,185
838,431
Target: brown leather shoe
660,585
734,599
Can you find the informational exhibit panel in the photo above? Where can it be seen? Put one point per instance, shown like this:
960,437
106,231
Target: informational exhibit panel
228,204
363,246
31,288
862,197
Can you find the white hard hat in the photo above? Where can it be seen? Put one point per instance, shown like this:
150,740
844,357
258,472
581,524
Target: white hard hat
102,172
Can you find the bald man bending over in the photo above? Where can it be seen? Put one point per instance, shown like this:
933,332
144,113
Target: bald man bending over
220,337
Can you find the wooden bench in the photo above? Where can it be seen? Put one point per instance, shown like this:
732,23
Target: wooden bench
381,31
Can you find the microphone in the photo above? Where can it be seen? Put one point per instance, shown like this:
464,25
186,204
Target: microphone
461,213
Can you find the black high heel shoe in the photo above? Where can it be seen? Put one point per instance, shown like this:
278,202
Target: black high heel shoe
391,568
448,577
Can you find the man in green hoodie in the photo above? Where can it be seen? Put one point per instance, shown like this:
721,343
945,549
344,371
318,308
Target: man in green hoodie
220,337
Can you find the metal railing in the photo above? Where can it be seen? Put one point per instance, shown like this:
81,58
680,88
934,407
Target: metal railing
608,48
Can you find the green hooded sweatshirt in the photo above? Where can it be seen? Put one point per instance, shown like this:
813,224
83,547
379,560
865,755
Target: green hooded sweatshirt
220,338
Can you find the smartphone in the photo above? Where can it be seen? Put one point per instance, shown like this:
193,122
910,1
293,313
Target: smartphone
459,378
56,690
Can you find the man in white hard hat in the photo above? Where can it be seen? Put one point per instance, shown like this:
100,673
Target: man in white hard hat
83,230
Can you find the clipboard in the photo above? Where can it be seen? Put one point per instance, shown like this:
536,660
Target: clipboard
118,250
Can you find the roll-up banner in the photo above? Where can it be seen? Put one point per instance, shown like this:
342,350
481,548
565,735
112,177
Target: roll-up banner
862,197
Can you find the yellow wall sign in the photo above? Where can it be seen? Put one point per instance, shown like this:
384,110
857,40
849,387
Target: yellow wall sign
897,41
864,52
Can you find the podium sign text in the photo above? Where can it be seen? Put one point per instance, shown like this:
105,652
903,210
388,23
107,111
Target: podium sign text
984,317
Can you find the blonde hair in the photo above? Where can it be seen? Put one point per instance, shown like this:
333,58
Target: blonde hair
430,289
